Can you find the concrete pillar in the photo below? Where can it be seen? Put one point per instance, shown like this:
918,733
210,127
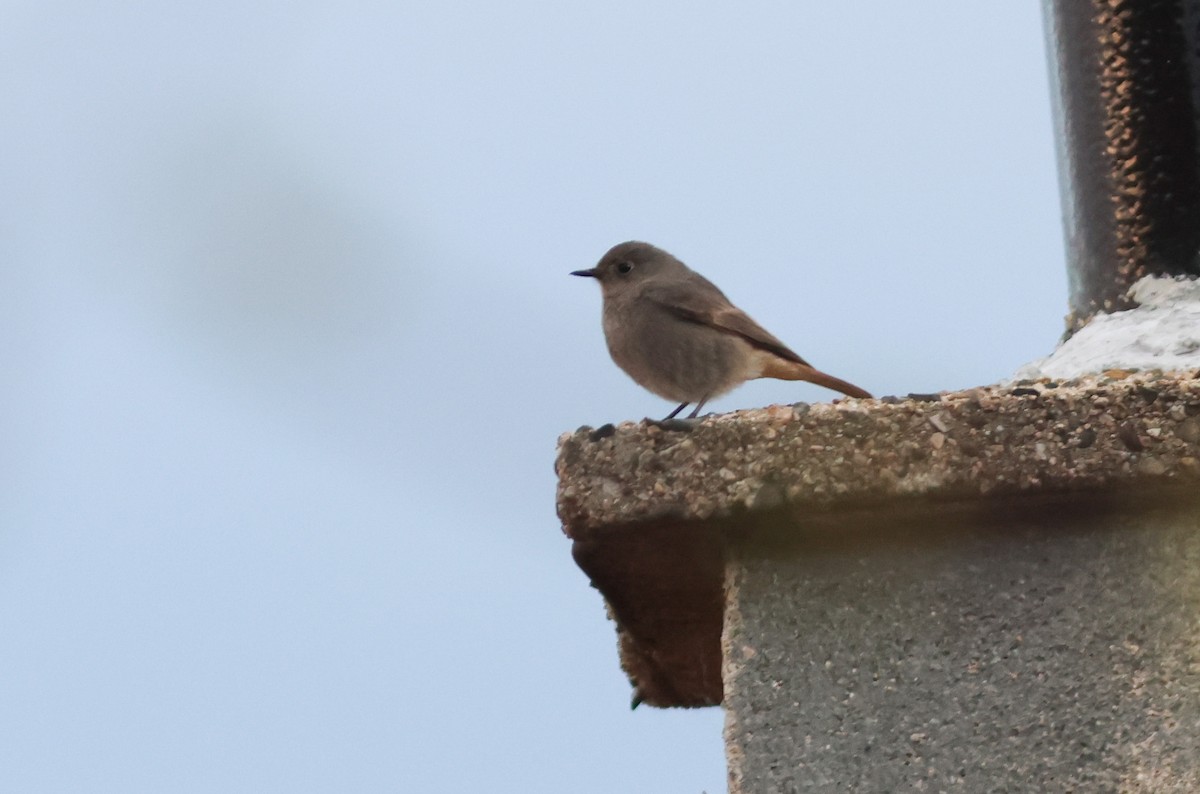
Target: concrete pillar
989,590
1053,647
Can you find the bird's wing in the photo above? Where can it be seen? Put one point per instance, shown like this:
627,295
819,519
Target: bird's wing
698,300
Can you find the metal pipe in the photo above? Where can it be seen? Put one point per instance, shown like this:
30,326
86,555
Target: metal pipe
1126,90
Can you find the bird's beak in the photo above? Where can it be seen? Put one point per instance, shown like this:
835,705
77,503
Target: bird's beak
590,273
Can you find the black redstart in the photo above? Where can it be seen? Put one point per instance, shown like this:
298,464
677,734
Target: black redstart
677,335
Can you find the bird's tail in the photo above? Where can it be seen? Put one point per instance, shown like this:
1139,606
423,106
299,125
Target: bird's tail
790,370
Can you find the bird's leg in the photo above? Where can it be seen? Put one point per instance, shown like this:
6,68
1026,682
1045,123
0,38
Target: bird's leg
677,410
695,411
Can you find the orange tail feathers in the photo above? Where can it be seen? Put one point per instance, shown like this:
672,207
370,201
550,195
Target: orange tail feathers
790,370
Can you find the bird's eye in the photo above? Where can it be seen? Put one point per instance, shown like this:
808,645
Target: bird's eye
624,267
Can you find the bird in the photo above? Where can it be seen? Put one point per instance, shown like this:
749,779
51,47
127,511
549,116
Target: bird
677,335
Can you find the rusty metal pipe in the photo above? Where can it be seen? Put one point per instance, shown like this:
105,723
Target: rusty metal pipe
1126,90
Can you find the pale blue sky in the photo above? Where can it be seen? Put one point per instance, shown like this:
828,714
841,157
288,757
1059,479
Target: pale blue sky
290,338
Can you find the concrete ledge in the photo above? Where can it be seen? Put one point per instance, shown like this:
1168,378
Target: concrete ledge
651,511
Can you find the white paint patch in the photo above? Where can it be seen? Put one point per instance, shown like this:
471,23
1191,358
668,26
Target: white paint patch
1161,333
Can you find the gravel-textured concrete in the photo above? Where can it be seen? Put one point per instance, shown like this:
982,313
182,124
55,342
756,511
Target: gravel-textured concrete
654,512
1036,648
1085,434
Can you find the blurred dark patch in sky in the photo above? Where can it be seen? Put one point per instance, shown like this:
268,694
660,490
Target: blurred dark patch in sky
255,253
